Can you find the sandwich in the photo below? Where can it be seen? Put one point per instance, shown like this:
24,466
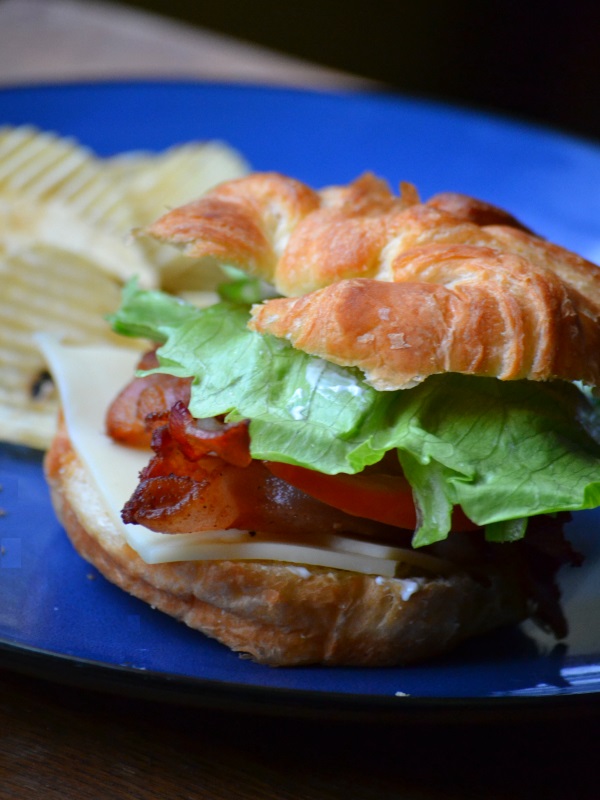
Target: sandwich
366,451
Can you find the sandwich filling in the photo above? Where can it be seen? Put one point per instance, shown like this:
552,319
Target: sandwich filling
455,451
414,389
250,434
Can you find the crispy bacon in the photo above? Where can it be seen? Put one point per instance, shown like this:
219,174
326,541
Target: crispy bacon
203,479
129,417
197,438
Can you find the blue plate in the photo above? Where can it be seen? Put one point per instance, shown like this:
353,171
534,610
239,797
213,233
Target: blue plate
59,619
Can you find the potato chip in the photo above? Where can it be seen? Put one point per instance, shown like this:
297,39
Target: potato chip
24,222
45,288
44,167
29,424
156,183
55,192
66,248
115,195
39,164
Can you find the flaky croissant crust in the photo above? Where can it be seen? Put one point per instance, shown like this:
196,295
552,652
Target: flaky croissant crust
400,288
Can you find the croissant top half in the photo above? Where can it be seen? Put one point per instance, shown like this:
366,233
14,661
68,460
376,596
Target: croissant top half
399,288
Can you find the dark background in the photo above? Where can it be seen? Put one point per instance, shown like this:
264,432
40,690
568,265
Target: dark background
535,60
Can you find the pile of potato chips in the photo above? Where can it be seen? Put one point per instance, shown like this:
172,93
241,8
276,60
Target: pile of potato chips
66,248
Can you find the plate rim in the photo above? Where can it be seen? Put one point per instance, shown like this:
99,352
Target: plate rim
249,699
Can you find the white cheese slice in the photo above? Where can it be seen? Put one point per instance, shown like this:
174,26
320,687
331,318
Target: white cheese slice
88,378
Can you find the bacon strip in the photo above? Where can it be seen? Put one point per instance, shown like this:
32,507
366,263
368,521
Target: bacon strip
206,480
197,438
128,420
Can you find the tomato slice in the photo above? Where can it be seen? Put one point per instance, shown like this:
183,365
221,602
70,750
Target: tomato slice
385,498
379,496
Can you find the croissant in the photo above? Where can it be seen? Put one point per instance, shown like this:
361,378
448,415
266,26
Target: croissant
399,288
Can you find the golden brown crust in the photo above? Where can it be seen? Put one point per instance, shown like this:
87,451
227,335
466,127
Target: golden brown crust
473,311
279,229
470,209
466,287
243,222
277,613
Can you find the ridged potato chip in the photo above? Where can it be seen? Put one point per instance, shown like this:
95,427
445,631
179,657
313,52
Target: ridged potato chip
157,183
24,222
45,288
64,182
66,248
47,168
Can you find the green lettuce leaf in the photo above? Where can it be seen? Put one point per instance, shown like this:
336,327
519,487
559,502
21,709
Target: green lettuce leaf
504,451
150,314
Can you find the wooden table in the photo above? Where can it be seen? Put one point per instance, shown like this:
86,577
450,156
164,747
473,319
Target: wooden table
63,742
54,40
58,742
